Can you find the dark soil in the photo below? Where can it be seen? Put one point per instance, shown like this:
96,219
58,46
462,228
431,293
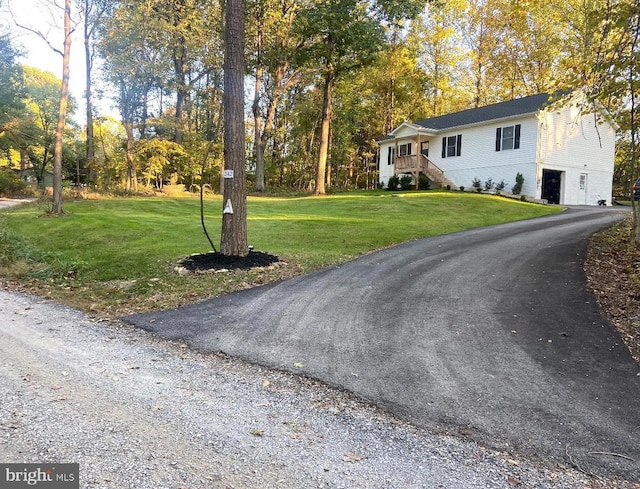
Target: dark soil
218,261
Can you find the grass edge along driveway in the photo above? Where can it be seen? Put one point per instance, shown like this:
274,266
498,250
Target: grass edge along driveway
118,256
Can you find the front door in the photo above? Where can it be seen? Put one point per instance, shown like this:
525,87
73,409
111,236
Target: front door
582,190
424,148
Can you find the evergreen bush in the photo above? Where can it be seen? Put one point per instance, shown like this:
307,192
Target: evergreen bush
517,188
405,182
423,182
393,183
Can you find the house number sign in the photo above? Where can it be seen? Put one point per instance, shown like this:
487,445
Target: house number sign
228,174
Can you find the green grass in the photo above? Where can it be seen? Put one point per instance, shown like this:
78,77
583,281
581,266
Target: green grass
117,255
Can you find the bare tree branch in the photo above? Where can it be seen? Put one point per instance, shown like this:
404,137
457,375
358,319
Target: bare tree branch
44,36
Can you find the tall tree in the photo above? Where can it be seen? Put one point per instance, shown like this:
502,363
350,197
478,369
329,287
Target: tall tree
56,207
258,12
514,47
34,133
177,18
190,31
476,28
110,158
345,35
234,218
275,71
587,43
65,53
93,13
618,69
438,44
11,83
135,66
396,84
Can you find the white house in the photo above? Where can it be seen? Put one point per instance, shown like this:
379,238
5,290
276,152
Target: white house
564,151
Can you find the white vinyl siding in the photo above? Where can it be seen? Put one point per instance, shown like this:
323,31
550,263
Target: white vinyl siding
385,161
574,145
480,160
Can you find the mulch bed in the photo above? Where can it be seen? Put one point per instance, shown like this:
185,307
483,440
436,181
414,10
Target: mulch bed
218,261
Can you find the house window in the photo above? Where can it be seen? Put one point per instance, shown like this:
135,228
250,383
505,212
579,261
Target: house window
404,149
424,148
508,137
390,156
452,146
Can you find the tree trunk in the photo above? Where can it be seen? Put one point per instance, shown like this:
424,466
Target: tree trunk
90,151
62,115
24,162
390,109
278,90
257,118
180,66
327,106
328,180
634,159
633,112
390,96
132,177
260,146
234,215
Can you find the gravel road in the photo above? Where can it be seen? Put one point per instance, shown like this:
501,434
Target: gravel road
139,412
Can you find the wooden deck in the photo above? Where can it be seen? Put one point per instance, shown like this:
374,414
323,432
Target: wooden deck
416,164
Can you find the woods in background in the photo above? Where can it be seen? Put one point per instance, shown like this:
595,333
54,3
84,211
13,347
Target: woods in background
325,80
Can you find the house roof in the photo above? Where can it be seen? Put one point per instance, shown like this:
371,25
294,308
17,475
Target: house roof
501,110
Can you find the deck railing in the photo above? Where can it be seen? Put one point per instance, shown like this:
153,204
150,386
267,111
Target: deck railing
419,164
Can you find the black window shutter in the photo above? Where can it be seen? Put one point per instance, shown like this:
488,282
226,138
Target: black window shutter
390,156
408,149
498,138
444,147
459,145
516,137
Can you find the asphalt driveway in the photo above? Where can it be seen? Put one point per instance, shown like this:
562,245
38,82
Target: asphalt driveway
490,334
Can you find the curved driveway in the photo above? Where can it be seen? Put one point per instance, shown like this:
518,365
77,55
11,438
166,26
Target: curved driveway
490,333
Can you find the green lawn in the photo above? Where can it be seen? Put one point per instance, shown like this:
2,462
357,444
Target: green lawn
118,255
